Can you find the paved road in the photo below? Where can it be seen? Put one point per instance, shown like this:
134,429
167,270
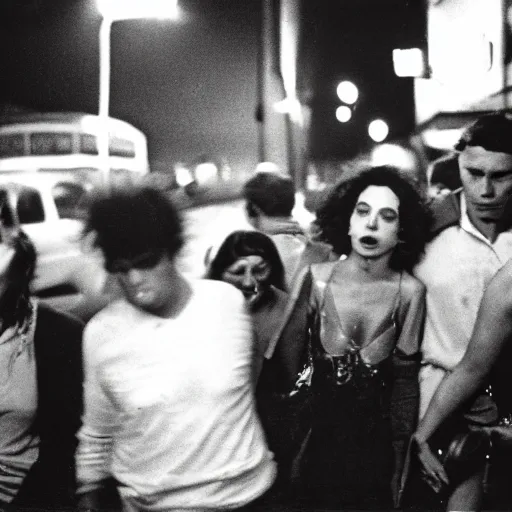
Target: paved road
208,226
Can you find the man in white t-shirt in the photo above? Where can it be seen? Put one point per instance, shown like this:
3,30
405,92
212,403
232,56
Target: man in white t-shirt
169,406
473,240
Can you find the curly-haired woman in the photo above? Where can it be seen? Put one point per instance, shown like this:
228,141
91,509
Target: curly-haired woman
369,313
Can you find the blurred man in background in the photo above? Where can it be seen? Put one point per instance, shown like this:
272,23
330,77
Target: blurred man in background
269,201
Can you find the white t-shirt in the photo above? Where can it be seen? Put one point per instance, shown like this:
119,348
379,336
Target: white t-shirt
169,405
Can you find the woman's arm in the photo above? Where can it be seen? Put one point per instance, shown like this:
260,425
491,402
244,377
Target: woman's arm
492,329
405,387
292,344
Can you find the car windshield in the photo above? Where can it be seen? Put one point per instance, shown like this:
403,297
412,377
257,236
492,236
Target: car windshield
30,206
70,200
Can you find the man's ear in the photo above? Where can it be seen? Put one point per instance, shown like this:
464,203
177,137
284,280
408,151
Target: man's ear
251,209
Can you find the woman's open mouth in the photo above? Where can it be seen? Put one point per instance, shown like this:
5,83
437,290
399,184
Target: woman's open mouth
249,293
368,241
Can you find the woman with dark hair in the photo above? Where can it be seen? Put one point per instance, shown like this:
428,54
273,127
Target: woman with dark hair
368,316
40,386
249,260
244,243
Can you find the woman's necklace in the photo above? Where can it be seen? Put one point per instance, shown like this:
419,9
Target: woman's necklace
19,336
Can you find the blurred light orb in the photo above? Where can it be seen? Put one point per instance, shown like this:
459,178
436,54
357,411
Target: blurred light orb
343,114
395,155
267,167
183,175
205,172
347,92
378,130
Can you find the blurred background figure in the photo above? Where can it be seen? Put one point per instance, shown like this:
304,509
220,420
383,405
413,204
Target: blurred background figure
269,201
443,175
369,319
40,385
169,404
249,260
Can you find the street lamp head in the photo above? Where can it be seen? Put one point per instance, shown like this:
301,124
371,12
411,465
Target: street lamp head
343,114
347,92
378,130
113,10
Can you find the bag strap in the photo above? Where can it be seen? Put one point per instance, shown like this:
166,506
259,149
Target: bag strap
322,276
398,301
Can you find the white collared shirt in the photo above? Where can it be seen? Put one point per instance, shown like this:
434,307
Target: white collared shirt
457,266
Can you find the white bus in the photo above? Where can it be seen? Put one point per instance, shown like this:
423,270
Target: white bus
68,142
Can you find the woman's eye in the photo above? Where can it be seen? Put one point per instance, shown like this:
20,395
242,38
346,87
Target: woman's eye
362,210
236,272
389,215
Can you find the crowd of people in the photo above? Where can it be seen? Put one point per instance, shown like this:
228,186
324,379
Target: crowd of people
362,368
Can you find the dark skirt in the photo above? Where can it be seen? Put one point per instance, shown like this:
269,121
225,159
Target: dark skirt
348,461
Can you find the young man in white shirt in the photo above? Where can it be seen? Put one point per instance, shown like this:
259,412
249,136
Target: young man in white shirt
473,241
169,405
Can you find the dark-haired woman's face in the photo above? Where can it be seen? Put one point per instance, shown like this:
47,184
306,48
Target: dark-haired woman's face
251,275
374,223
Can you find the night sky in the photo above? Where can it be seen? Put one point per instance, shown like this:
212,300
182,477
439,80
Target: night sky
354,41
190,85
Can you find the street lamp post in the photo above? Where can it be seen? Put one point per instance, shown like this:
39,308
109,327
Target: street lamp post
104,99
116,10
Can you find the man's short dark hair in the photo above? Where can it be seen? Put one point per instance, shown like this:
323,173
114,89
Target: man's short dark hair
272,192
128,222
493,132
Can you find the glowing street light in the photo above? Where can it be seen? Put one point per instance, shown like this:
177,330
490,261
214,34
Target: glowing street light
343,114
347,92
137,9
378,130
116,10
409,62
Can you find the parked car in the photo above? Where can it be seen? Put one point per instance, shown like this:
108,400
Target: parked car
50,208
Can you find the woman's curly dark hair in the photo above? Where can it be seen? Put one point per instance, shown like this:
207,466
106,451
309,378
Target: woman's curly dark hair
248,243
333,217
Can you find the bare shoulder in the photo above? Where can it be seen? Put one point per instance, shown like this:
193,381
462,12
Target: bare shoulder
499,290
412,286
321,270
